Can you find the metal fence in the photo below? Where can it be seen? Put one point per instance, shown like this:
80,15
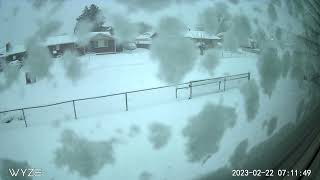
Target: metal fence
221,81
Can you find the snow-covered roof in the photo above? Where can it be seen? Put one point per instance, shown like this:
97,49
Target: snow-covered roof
66,39
146,35
93,34
15,50
220,34
62,39
194,34
143,41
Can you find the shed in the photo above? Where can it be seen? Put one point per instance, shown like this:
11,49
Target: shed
145,40
202,37
101,42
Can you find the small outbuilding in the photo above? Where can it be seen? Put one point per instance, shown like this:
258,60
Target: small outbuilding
145,40
202,38
101,42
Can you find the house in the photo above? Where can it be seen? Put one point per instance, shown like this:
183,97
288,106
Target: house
13,53
101,42
98,42
203,38
2,61
145,40
58,45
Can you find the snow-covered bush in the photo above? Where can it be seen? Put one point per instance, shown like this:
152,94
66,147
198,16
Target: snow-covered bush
129,46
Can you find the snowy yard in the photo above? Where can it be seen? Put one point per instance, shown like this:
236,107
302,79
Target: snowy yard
130,133
189,130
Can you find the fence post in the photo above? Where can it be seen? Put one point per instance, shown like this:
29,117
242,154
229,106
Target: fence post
24,117
190,87
249,75
176,93
126,95
224,84
74,110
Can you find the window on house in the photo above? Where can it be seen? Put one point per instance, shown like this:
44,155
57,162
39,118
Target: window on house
106,43
58,47
94,44
102,43
14,57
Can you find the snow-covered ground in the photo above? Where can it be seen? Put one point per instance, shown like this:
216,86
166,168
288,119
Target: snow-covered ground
153,137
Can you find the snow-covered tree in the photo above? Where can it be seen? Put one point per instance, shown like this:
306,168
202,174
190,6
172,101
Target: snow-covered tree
93,15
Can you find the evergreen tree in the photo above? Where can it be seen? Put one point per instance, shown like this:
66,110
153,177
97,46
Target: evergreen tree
92,15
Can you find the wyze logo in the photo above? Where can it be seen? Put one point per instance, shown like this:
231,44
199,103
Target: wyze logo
29,172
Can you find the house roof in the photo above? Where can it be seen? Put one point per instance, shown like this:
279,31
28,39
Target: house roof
143,42
15,50
93,34
66,39
194,34
62,39
146,35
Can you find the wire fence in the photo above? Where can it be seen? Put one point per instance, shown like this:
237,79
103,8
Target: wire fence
219,81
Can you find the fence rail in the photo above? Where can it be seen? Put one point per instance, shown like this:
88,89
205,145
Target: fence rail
185,85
